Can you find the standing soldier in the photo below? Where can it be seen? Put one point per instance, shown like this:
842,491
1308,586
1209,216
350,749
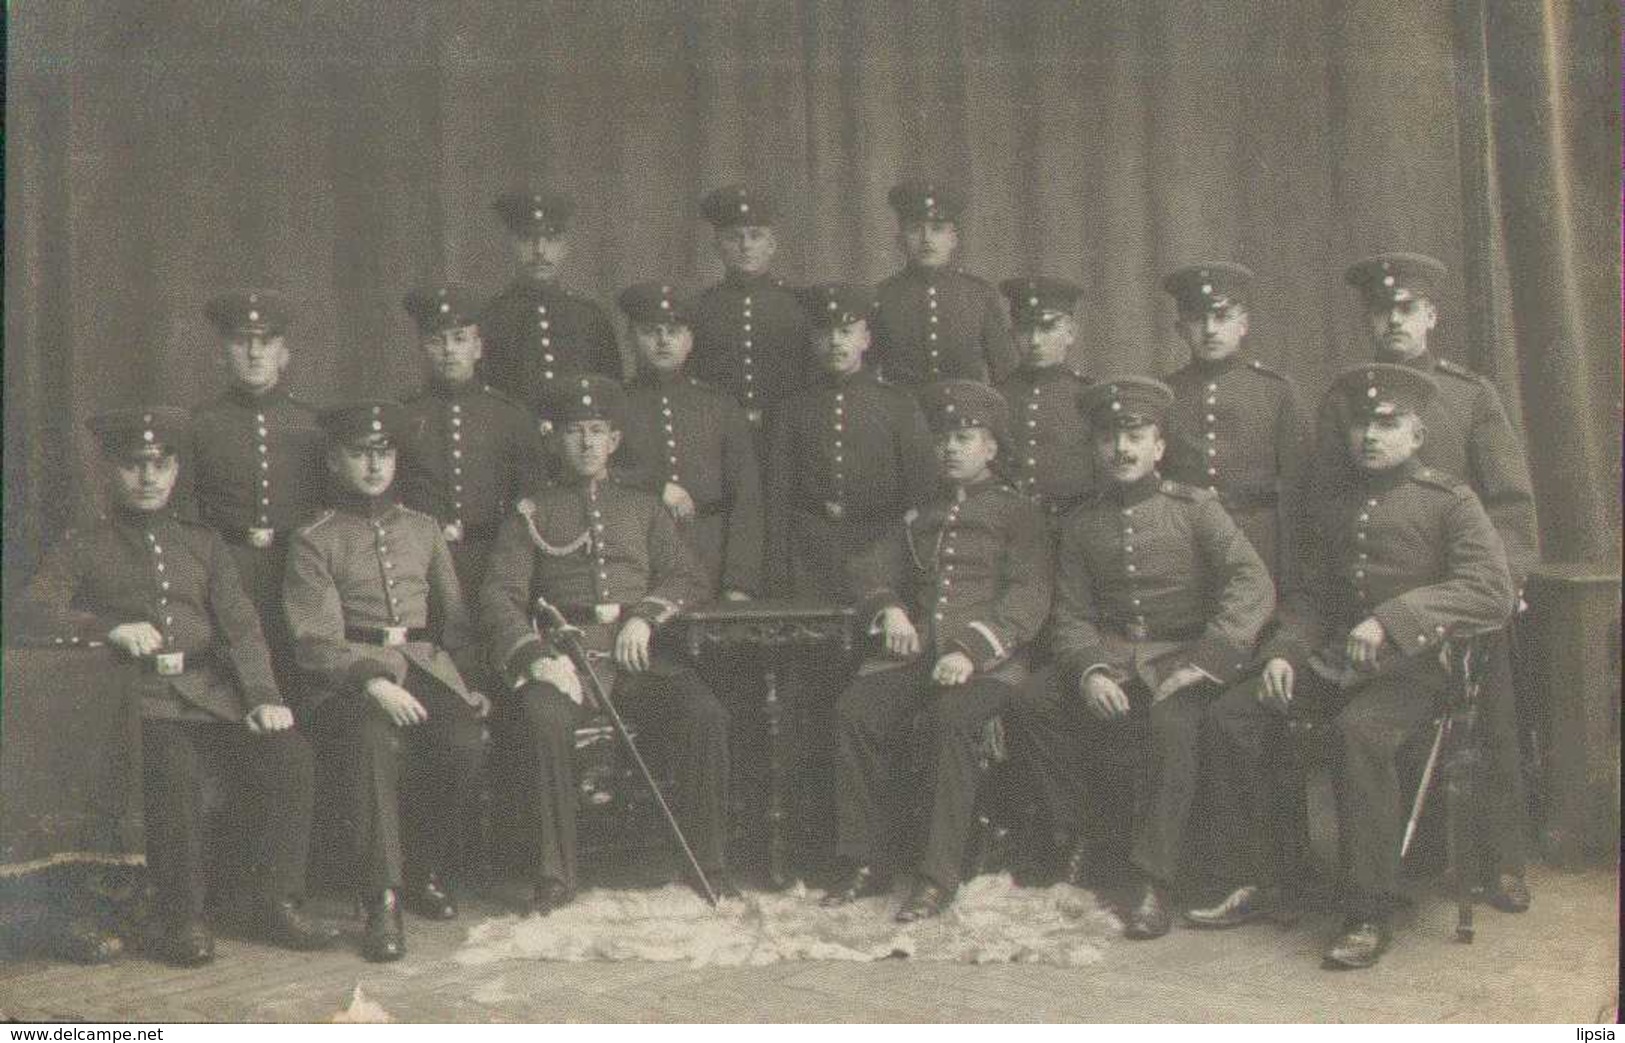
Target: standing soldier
1407,557
692,445
1158,601
255,453
387,705
1469,436
932,319
165,593
750,331
1236,427
973,567
469,452
852,454
539,335
609,557
1048,454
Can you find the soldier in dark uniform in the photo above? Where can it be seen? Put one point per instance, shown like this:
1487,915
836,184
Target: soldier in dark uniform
1159,599
750,331
1406,557
1236,427
1048,455
538,334
852,454
255,454
933,319
692,444
387,705
469,452
165,592
610,558
973,567
1469,436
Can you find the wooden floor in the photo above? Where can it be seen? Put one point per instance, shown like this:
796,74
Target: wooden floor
1557,963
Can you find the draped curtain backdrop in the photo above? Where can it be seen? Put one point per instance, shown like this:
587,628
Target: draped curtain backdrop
159,150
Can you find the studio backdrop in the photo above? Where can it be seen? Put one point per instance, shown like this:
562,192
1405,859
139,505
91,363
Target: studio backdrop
158,151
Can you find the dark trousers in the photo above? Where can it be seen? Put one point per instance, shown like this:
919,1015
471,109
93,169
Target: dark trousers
261,570
1502,797
403,792
275,775
536,725
1088,771
879,718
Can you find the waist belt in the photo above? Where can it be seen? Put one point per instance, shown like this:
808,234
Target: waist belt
457,532
1137,631
385,636
590,615
1059,507
173,664
847,511
1255,497
259,539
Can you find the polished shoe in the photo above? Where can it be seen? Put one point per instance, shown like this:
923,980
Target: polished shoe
187,944
1149,918
289,926
1243,905
1360,945
384,938
1511,894
928,899
550,894
83,941
430,899
862,882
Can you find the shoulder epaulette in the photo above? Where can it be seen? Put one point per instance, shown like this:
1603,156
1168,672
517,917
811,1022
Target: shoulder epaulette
416,513
318,521
1438,479
1185,492
501,396
1456,369
1259,367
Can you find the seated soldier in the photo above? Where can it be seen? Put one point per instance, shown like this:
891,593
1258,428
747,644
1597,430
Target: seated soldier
973,567
1407,557
387,705
609,557
1159,599
166,593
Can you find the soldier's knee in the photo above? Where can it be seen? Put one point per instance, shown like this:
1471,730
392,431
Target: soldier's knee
544,711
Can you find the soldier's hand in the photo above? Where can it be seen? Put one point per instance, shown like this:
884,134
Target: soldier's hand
902,640
481,704
267,717
399,705
1364,642
632,645
1104,697
953,668
677,501
1276,691
735,595
1183,677
137,639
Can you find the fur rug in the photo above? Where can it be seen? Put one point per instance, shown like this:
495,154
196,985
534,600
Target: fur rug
991,921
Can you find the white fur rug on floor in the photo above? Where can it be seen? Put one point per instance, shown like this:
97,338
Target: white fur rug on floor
991,921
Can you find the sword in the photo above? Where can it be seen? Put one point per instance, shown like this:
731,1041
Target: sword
1428,771
570,637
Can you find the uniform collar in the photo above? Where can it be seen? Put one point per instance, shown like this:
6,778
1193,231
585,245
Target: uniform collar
128,519
1393,478
1043,374
1423,360
369,507
1210,369
442,390
970,489
243,397
650,377
864,375
738,280
1136,493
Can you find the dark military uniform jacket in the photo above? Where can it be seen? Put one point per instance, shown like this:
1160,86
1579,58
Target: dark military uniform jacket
750,341
933,323
1411,548
255,463
600,552
973,571
688,433
1236,428
469,454
537,336
1155,577
364,570
133,567
1468,435
849,457
1049,456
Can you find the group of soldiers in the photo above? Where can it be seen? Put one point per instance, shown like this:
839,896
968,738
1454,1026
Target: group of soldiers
1129,571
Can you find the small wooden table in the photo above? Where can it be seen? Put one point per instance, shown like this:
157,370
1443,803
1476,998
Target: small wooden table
775,628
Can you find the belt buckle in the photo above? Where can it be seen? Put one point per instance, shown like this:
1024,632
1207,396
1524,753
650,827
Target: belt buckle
394,635
606,613
169,664
753,415
453,532
261,538
834,510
